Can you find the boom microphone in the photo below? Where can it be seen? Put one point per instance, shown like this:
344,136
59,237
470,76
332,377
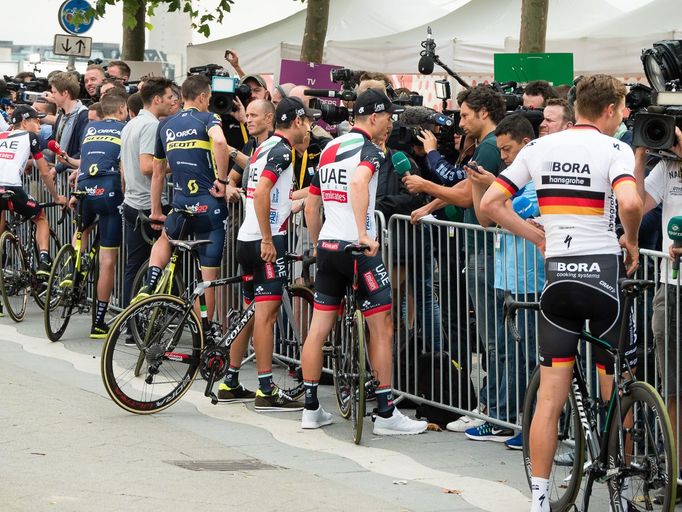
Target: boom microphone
426,65
327,93
418,116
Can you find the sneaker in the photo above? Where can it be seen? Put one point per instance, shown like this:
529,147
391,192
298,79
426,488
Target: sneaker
315,419
489,432
398,424
99,332
465,422
277,401
236,394
515,443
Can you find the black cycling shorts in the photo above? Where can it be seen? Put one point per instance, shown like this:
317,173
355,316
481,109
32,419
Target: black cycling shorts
206,223
335,273
21,203
104,200
268,278
577,289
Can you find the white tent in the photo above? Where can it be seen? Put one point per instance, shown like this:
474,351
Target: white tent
602,37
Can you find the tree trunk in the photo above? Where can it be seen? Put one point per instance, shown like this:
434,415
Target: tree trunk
133,38
533,26
316,19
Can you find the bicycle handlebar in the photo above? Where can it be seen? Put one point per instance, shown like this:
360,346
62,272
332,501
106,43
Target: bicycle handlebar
356,249
307,261
510,307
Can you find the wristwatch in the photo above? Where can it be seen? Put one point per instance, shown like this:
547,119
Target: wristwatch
233,153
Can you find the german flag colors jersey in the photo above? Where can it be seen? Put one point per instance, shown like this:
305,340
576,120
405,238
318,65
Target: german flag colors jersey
183,140
101,150
575,172
272,160
338,161
16,147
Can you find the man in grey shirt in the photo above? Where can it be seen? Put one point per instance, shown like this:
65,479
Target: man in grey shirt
138,140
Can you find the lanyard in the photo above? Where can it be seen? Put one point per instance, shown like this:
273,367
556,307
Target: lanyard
245,135
304,164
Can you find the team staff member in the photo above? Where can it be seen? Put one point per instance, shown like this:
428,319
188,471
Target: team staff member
577,173
193,145
138,141
100,178
346,185
17,147
262,243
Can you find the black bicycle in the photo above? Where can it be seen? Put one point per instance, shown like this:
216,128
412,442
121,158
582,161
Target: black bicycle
353,376
628,444
19,254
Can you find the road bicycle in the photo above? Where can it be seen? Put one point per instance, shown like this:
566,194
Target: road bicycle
72,286
19,254
626,443
177,345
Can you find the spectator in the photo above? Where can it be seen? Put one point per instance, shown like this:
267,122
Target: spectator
69,127
119,71
177,100
281,91
95,112
109,85
232,57
134,104
138,141
536,94
93,79
558,115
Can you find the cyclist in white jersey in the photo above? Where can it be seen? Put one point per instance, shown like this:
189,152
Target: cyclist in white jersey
261,247
579,174
346,185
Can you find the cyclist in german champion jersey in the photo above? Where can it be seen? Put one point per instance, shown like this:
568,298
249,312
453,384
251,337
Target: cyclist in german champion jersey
346,185
16,148
192,143
579,173
99,176
261,247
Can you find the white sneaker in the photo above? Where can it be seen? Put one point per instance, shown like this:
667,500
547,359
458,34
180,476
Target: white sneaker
315,419
466,422
398,424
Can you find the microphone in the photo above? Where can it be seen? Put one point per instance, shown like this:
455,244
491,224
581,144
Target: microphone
327,93
54,146
525,208
426,65
675,234
401,164
418,116
426,61
453,213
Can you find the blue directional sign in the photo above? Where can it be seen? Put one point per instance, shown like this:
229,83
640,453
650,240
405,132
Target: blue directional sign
72,16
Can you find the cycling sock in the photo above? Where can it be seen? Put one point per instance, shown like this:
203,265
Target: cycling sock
100,312
311,402
232,377
540,500
153,274
385,405
265,383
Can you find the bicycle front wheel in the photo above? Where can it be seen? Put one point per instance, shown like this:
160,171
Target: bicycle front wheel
61,286
567,467
359,369
170,352
15,282
646,456
341,370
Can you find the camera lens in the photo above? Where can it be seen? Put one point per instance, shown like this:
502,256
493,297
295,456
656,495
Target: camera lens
655,132
221,103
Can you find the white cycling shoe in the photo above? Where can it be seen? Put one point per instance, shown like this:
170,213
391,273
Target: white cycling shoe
398,425
316,419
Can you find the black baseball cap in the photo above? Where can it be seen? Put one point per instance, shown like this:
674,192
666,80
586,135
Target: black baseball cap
23,112
372,101
291,107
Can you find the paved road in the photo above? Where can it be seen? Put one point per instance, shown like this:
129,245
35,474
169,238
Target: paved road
65,446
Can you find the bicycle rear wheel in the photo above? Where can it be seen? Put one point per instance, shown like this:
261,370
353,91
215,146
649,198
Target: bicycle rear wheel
39,286
15,281
567,469
359,372
647,455
340,356
61,286
170,353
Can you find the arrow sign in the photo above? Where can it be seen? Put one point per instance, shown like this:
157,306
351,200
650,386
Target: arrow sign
72,46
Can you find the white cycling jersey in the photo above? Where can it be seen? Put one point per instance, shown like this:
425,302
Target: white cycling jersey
575,172
338,161
271,160
16,147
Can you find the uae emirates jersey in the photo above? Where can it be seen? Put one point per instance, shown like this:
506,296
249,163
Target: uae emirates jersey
16,147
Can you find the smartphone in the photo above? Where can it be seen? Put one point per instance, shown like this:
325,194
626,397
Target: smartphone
473,167
227,54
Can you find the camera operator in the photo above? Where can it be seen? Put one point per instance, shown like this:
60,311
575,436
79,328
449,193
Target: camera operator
93,79
536,94
558,115
69,128
118,70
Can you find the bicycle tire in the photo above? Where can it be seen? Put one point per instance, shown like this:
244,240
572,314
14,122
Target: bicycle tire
15,283
290,381
358,358
564,484
651,427
92,278
39,286
59,299
341,367
148,393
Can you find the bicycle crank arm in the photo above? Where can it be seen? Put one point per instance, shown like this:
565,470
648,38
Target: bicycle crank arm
209,387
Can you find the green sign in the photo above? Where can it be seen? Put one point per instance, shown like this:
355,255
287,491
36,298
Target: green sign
556,68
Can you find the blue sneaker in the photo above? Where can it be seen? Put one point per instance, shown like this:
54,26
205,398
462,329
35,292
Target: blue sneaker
515,443
489,432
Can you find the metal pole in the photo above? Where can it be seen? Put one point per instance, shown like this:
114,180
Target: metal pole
71,66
